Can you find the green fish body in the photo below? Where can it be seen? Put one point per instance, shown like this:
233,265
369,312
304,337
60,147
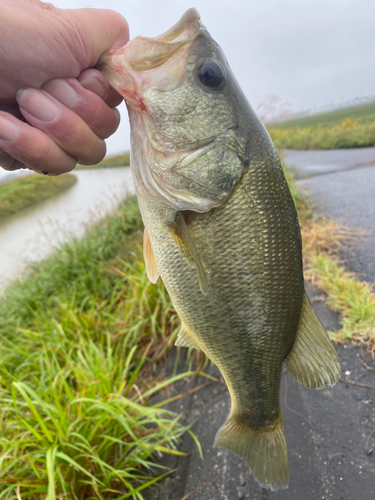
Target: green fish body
221,230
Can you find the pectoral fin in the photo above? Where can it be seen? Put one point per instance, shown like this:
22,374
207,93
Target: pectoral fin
312,362
185,339
150,262
183,239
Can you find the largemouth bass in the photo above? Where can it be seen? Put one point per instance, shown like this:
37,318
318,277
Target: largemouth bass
222,231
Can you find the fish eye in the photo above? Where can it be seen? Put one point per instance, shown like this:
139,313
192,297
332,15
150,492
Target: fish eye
211,74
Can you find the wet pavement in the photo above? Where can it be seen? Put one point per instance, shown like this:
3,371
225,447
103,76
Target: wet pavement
328,432
320,162
347,195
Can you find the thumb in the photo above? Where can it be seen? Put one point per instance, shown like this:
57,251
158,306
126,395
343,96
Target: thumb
95,32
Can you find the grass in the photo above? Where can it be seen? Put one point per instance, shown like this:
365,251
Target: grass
81,335
122,160
353,299
348,134
364,113
352,127
29,190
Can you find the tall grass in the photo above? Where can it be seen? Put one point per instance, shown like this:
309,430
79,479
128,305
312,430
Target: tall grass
80,336
26,191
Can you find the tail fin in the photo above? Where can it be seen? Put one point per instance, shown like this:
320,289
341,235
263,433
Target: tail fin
263,447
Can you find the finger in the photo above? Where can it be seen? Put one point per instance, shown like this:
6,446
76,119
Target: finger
31,148
7,161
62,125
94,80
101,119
99,29
13,109
10,164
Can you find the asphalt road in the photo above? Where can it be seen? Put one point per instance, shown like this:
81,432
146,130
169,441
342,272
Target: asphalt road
342,182
327,431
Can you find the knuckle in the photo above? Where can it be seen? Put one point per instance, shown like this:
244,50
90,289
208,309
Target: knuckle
40,152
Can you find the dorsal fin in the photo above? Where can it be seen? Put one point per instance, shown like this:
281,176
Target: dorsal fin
148,254
183,239
312,362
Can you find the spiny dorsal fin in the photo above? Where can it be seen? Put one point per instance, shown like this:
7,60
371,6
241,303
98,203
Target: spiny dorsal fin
183,239
312,362
148,254
185,339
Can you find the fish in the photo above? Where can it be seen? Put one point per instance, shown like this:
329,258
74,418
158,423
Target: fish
221,230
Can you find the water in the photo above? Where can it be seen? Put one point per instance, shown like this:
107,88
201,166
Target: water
31,234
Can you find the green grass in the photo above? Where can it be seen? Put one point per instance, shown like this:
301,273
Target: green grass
348,134
29,190
352,127
109,162
364,113
80,337
353,299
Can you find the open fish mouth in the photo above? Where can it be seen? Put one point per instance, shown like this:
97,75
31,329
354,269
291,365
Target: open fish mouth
143,62
184,29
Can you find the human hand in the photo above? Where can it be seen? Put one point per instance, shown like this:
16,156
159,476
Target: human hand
54,109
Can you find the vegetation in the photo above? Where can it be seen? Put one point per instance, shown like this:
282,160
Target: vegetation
109,162
352,127
364,113
26,191
81,335
348,134
353,299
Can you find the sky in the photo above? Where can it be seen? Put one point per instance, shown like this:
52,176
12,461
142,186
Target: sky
309,53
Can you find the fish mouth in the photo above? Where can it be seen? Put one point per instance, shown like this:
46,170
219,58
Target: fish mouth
184,29
145,54
146,62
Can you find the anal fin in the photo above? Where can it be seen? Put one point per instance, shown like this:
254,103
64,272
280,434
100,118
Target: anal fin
313,361
185,339
150,262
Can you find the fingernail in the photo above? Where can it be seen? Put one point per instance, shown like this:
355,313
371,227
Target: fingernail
38,104
8,129
62,91
95,86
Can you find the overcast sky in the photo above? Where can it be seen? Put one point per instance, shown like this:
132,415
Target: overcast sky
308,52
